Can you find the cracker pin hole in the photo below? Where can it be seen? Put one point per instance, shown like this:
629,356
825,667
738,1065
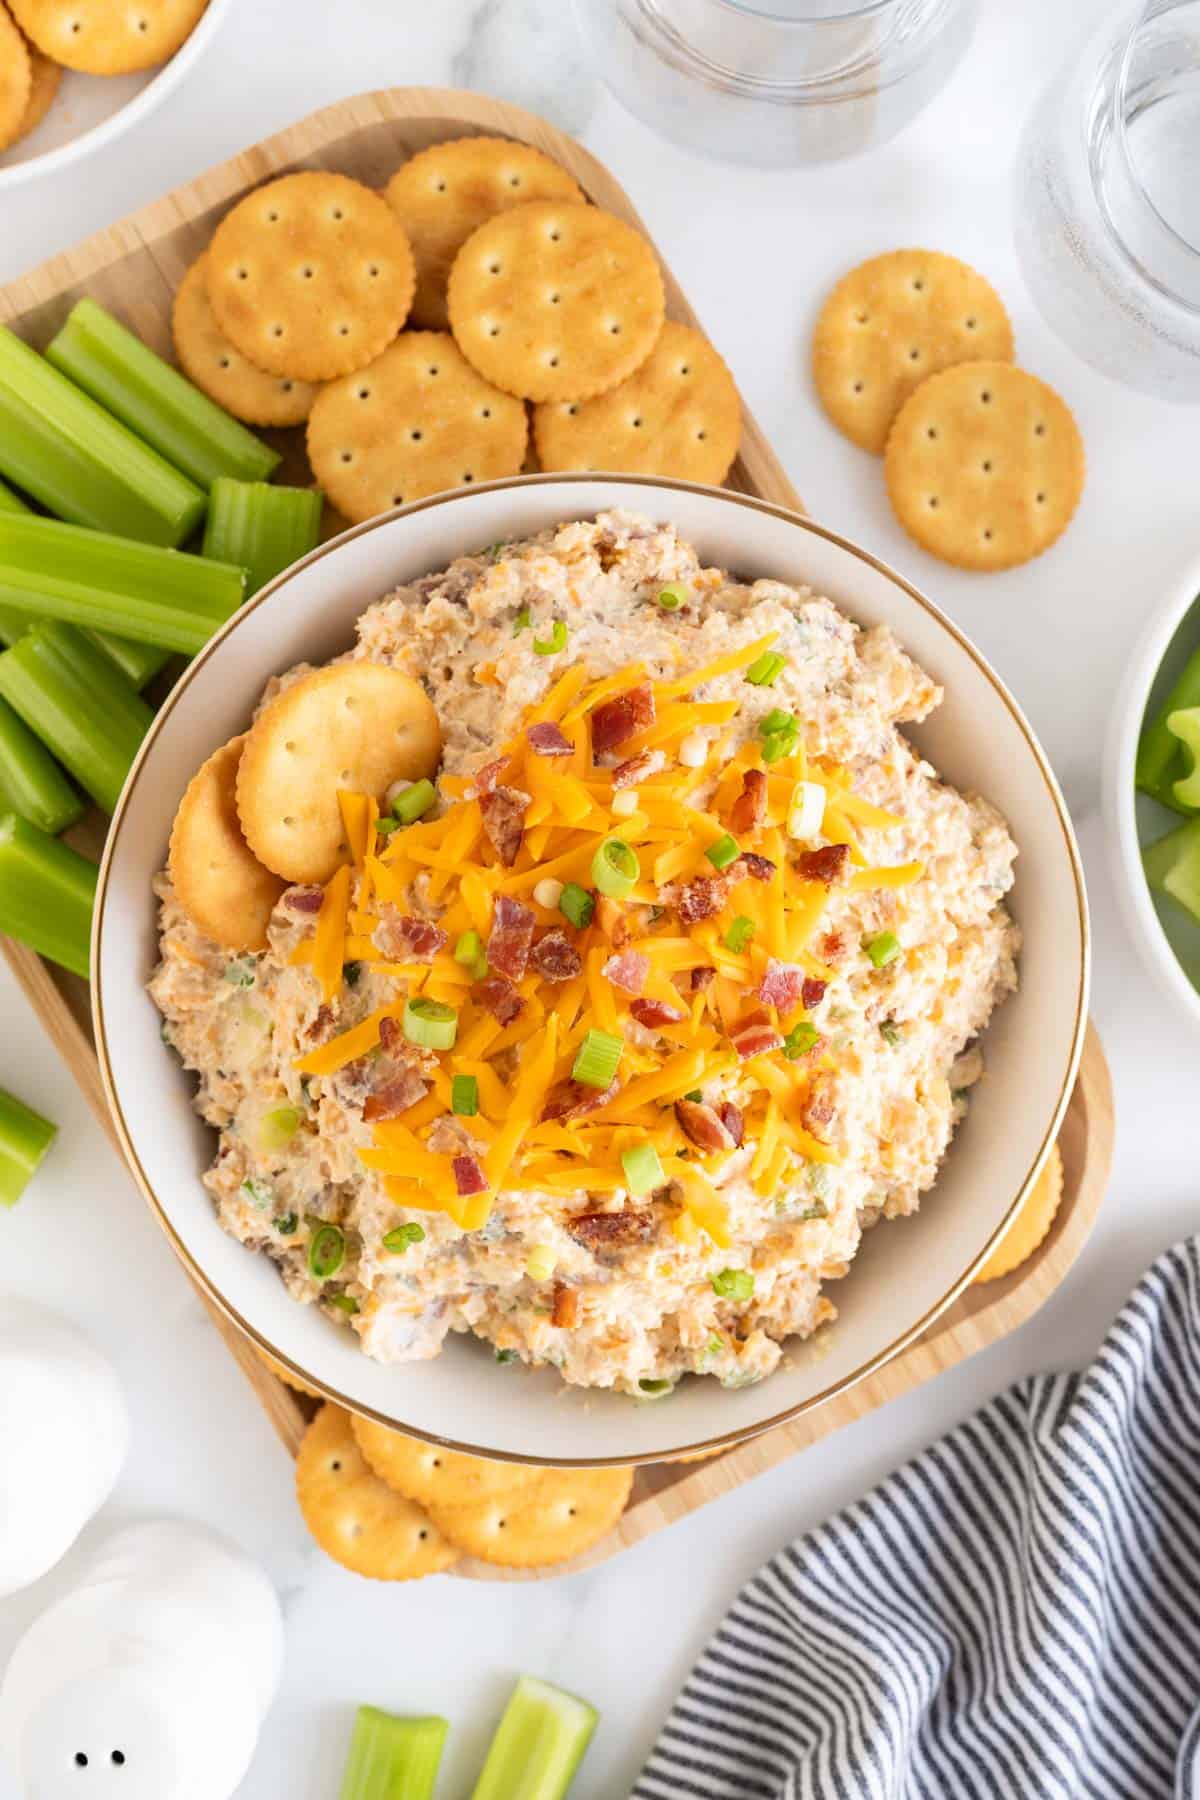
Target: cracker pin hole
118,1757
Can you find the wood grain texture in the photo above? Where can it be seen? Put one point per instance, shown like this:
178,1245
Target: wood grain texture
133,268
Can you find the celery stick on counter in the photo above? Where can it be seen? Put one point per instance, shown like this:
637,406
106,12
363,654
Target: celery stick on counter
156,401
392,1758
47,891
161,597
539,1744
80,462
1160,761
31,782
79,704
266,529
25,1138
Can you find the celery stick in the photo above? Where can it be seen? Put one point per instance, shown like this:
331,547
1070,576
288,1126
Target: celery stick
538,1745
266,529
138,663
31,782
47,891
156,401
391,1758
81,707
12,624
1159,757
25,1138
161,597
10,502
80,462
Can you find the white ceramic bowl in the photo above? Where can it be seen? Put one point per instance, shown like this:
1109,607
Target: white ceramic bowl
1168,940
906,1273
90,111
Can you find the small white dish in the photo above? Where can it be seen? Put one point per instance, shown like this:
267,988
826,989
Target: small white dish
1168,940
90,111
905,1274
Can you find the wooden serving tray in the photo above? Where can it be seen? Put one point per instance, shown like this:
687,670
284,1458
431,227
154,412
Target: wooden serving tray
134,268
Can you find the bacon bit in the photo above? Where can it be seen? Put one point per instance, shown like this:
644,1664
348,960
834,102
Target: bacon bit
485,778
469,1178
820,1106
555,957
702,978
391,1035
612,920
304,899
569,1100
825,865
503,810
813,991
754,1038
407,938
548,740
653,1013
620,718
598,1231
565,1312
731,1119
627,971
781,985
750,808
394,1093
703,1125
498,996
638,768
700,898
319,1029
758,868
510,937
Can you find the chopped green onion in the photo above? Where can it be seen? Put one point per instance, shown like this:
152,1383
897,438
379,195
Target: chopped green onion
696,1094
597,1058
31,782
522,622
414,801
430,1023
464,1096
818,1210
656,1387
345,1303
286,1224
155,596
352,973
723,852
739,934
778,745
25,1138
576,905
47,891
386,825
259,1193
552,645
778,720
80,462
82,708
541,1263
263,529
401,1236
806,810
326,1252
800,1040
643,1170
672,597
391,1758
539,1745
733,1284
883,949
506,1356
469,951
278,1127
615,868
889,1031
766,669
156,402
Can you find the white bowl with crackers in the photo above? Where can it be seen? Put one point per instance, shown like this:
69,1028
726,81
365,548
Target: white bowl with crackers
906,1272
71,85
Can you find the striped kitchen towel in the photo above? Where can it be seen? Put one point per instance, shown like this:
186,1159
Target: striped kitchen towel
1014,1615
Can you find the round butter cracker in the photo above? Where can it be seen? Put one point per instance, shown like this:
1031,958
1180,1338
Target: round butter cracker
556,301
1031,1224
356,1518
984,466
310,276
219,882
890,324
417,420
431,1475
443,194
560,1516
207,357
678,414
354,725
16,80
108,37
47,79
285,1375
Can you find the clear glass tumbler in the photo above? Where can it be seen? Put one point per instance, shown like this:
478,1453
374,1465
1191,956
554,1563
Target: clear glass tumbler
1108,197
776,82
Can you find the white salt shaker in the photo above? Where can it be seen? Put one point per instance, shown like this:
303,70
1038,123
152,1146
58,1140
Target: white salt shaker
150,1680
64,1433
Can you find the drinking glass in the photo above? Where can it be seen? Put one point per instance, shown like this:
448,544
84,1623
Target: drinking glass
776,82
1108,197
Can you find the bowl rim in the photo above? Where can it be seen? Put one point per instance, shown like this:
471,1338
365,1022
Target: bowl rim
106,131
1120,792
874,1362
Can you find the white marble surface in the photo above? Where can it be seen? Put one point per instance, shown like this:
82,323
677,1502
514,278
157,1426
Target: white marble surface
755,253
